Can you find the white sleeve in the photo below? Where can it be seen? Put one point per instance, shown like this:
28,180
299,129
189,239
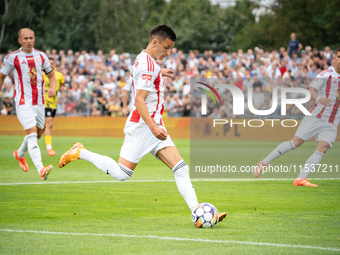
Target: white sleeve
46,66
145,79
318,82
7,66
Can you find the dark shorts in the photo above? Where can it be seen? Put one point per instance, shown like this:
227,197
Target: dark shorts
49,112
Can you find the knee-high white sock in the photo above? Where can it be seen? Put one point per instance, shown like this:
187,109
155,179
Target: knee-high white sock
181,173
107,165
34,151
311,164
279,151
23,148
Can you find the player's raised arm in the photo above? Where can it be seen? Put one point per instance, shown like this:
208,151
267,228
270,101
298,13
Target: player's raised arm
143,111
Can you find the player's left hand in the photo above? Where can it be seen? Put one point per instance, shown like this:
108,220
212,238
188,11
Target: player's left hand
167,72
51,93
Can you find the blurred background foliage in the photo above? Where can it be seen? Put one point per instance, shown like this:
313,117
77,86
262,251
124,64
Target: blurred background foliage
124,24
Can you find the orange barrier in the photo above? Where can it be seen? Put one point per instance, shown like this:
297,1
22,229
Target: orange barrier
94,126
176,127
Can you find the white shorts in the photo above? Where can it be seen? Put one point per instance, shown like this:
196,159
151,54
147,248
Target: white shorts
31,116
322,130
138,145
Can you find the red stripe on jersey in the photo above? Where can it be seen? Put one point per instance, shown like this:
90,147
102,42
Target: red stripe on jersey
147,60
32,72
18,68
135,117
152,65
328,88
335,107
156,82
162,110
154,113
42,81
314,107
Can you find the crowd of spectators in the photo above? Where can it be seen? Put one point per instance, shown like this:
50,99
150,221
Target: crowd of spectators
94,82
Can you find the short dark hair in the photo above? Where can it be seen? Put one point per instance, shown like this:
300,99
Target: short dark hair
162,31
50,58
337,50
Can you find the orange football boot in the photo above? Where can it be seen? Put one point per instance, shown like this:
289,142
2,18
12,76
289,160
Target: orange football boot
22,161
258,169
51,152
45,172
221,216
303,182
71,155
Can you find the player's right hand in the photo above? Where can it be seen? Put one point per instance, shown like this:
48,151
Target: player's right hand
325,101
159,132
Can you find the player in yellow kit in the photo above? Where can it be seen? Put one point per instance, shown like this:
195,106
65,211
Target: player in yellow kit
51,107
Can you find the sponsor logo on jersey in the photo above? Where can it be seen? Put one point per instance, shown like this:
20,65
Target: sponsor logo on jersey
37,60
146,79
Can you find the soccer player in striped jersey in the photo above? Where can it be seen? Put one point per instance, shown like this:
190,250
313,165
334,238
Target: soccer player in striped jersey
144,130
323,123
28,64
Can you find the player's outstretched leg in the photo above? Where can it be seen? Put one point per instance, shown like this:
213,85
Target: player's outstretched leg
104,163
182,178
185,187
277,152
34,151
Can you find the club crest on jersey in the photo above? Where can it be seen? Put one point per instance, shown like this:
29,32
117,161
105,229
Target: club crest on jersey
33,74
37,60
146,79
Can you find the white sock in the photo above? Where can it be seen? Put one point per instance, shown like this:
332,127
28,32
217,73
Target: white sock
279,151
311,164
23,148
48,147
181,173
107,165
34,151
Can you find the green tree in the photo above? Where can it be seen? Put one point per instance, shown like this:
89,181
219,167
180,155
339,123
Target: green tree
316,23
194,21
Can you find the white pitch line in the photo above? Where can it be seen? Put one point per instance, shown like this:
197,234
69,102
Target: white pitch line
173,239
139,181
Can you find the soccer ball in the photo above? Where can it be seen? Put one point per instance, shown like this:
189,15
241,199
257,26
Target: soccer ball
205,215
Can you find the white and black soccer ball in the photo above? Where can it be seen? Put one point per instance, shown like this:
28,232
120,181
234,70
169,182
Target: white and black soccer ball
205,215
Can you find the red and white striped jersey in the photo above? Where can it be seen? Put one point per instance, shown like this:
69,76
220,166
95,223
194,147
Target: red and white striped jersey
146,76
27,69
328,85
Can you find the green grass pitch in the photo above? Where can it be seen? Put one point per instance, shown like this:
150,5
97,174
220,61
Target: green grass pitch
107,217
